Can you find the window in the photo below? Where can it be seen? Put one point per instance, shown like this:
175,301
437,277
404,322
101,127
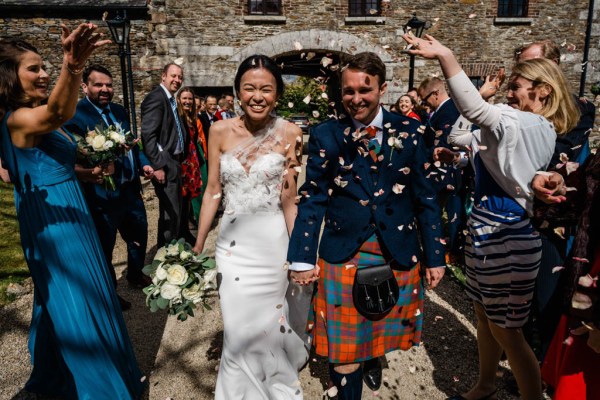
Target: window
513,8
364,8
264,7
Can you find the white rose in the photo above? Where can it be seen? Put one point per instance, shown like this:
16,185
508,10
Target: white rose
108,144
98,142
169,292
89,140
210,277
155,280
173,249
185,255
161,273
176,274
117,137
161,254
192,293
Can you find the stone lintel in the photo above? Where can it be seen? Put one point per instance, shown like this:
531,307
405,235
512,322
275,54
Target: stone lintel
375,20
265,19
512,21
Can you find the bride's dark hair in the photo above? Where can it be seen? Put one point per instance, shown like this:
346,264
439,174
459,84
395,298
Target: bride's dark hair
255,62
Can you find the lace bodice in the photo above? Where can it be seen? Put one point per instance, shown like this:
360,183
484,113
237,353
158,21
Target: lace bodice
252,172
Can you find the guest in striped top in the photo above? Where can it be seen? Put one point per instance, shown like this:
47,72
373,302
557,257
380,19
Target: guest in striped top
503,250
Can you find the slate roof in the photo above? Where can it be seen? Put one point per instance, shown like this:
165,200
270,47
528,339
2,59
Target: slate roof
91,9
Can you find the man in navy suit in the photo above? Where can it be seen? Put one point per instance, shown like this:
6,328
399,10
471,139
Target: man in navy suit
165,138
375,200
448,179
123,209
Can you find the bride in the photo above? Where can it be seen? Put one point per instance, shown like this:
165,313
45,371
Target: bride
253,162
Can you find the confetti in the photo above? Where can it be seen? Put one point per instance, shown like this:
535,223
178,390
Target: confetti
581,301
398,188
363,202
307,99
291,105
558,268
216,196
232,243
325,61
586,281
298,46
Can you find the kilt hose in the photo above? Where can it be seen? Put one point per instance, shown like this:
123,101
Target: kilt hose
341,334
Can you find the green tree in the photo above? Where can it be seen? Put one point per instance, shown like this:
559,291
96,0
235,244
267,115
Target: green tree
293,100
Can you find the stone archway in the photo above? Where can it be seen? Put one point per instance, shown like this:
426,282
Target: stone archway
321,41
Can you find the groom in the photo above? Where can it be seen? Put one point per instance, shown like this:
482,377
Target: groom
376,201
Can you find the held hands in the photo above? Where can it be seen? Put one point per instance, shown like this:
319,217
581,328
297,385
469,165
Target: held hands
148,172
304,278
549,187
79,45
159,175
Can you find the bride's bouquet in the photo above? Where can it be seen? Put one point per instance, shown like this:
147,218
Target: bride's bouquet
102,146
181,280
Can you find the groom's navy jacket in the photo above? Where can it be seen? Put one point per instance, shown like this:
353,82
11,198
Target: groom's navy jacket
357,203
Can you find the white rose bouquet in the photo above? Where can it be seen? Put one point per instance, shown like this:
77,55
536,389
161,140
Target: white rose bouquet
102,146
181,280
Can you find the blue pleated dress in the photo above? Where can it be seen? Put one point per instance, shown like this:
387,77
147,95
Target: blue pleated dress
78,340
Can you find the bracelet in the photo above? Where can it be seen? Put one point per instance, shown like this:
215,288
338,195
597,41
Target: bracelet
74,71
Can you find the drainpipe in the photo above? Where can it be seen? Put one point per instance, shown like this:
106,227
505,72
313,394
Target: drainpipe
586,48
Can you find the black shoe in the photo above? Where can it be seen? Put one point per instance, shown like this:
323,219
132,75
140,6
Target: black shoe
372,373
139,281
125,305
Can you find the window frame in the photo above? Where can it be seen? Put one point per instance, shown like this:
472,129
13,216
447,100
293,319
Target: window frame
264,8
512,7
363,6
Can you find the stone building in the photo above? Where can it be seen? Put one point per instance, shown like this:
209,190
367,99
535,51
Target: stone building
210,37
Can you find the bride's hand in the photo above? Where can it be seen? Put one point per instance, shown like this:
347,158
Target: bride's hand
304,278
198,247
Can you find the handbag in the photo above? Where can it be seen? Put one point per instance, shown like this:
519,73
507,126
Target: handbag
375,291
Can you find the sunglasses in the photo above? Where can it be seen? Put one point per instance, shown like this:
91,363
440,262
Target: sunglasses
424,99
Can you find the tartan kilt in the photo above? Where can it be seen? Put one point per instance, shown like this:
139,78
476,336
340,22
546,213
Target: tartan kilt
341,334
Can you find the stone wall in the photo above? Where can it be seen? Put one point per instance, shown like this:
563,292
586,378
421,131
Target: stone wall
210,37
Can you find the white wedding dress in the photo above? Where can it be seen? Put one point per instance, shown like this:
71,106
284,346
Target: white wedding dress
261,353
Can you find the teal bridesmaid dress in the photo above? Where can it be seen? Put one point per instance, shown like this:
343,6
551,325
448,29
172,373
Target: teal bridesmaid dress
78,341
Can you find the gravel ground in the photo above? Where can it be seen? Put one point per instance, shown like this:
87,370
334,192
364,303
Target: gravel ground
181,358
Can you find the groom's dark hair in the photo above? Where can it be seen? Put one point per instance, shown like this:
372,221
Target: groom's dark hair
368,62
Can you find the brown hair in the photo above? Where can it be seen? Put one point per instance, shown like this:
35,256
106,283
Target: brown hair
550,50
559,107
367,62
12,96
190,120
166,67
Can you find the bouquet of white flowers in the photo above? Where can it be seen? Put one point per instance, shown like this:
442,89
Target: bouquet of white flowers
181,279
102,146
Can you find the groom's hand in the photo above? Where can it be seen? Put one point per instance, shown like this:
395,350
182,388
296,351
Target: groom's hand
304,278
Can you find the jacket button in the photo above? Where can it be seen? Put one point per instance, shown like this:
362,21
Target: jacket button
374,207
433,227
306,248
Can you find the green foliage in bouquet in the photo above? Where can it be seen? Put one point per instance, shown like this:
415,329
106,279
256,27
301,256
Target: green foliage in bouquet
181,280
102,146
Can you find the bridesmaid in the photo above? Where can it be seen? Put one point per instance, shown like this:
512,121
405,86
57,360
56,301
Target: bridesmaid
78,341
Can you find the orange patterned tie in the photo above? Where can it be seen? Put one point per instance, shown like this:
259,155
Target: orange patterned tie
374,145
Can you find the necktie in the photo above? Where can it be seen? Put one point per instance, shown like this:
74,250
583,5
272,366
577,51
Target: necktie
374,145
179,148
106,114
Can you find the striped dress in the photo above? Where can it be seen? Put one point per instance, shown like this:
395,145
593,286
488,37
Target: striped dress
503,253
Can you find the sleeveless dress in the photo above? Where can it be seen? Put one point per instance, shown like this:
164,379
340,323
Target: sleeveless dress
78,341
262,354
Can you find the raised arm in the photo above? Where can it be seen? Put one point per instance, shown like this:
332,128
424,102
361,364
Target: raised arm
25,123
466,97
